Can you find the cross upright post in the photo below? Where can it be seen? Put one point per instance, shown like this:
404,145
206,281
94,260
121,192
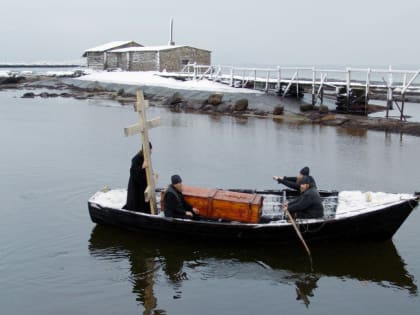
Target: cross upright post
142,127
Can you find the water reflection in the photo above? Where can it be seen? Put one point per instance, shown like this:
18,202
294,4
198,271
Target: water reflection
353,132
181,261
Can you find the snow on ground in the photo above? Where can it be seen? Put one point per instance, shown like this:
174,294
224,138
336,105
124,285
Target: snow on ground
152,78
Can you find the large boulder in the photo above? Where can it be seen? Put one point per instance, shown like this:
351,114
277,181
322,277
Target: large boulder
215,99
175,99
241,105
224,108
11,80
28,95
306,108
323,109
278,110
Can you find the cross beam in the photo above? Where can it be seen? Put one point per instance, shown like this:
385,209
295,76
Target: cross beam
142,127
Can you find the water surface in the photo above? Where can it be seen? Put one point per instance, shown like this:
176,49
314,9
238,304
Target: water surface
55,153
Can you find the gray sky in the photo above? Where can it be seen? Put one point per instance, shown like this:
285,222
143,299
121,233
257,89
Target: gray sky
238,32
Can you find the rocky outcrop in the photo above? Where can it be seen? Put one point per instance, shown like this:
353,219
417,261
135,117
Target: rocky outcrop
210,103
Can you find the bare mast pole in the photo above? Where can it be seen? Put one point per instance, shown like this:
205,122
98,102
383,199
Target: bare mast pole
171,28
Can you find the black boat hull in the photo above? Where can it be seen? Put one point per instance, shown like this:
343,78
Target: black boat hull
378,225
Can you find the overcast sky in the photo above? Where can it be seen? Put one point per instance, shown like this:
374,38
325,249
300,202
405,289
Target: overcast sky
238,32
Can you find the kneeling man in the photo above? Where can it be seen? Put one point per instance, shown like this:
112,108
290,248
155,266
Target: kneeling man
308,204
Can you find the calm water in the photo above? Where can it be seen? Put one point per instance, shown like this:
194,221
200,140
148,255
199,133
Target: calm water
55,153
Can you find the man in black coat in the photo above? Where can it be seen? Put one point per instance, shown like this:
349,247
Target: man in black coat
174,203
308,204
293,182
137,184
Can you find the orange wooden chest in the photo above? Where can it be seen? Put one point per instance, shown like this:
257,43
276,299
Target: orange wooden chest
223,204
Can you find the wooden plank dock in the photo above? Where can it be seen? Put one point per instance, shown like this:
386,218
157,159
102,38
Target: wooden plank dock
351,88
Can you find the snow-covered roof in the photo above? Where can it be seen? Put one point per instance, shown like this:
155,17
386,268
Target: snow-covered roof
152,48
110,45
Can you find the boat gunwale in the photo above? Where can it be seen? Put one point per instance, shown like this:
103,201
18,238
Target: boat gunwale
274,223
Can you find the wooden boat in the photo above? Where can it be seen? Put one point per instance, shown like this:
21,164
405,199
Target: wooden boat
349,215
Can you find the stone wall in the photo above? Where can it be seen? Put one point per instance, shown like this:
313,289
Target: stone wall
111,60
175,59
95,60
124,61
143,61
172,60
104,60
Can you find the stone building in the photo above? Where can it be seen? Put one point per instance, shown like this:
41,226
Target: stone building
171,58
135,57
96,56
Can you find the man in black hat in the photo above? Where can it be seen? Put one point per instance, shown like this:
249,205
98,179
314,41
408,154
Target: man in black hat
308,204
294,182
174,203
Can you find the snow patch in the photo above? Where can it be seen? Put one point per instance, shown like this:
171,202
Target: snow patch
153,78
351,202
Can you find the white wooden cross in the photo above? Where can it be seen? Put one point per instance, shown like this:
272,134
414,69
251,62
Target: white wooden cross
142,127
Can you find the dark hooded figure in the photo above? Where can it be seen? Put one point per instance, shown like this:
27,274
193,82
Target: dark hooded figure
137,184
294,182
309,203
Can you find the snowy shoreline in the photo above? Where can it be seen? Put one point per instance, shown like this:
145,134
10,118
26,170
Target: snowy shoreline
195,96
152,78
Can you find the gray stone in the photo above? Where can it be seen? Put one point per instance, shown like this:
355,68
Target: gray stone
28,95
323,109
241,105
306,108
175,99
278,110
215,99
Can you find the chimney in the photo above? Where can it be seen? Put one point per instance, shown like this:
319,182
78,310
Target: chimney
171,26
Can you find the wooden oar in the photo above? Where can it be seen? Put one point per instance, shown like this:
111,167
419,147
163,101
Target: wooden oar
297,230
298,233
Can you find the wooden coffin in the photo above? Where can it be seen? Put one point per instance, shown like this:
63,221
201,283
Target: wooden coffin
223,204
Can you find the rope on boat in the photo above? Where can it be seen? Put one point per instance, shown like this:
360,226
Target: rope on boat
307,230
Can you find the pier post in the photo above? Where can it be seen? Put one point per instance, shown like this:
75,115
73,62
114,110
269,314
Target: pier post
255,79
266,82
348,86
313,87
195,71
389,91
402,107
297,83
231,76
279,80
367,90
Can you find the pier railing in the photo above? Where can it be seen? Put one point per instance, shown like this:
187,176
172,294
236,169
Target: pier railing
370,82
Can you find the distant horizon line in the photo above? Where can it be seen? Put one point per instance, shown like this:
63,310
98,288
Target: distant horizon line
37,65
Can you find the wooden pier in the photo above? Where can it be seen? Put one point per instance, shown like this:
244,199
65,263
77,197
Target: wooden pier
351,88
